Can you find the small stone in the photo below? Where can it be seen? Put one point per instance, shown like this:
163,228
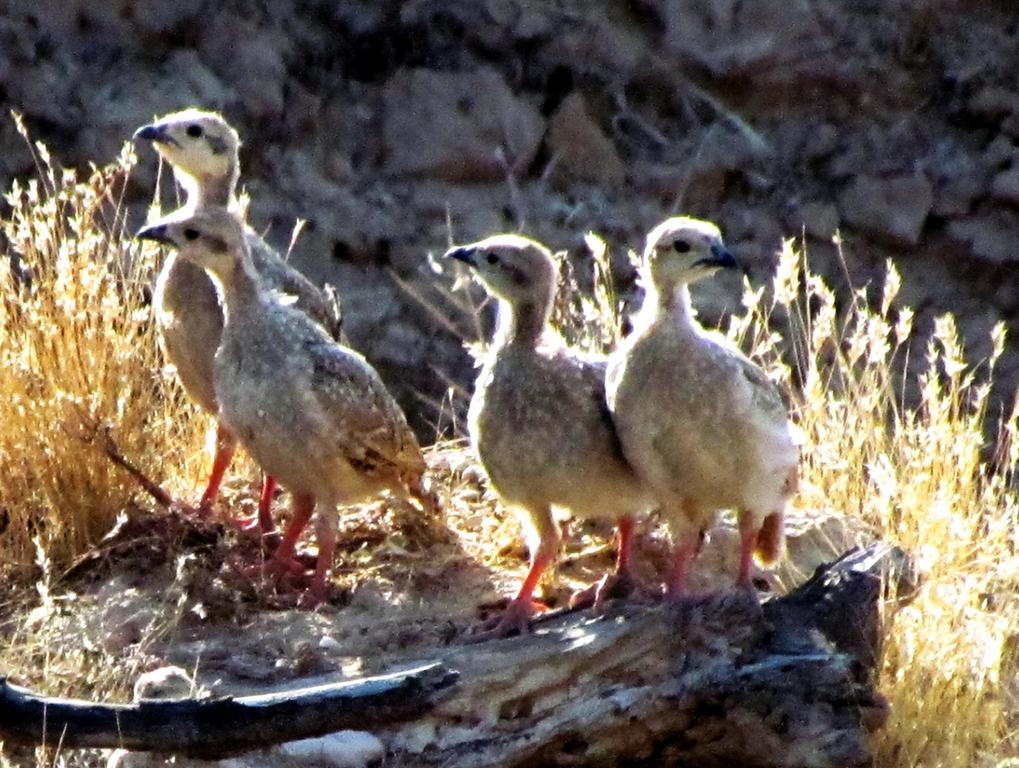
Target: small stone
730,39
1010,126
1005,186
579,148
161,18
819,219
165,684
821,142
401,343
1001,151
343,749
993,103
457,126
954,196
329,644
991,237
892,209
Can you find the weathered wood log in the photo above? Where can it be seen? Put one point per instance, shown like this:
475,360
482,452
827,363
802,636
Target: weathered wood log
219,727
715,682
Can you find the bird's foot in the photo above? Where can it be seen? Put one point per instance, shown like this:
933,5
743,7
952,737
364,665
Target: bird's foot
514,620
745,590
247,524
285,574
205,509
178,507
612,586
269,542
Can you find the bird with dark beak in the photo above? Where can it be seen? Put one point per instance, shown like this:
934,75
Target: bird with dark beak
699,422
313,413
203,149
540,425
155,133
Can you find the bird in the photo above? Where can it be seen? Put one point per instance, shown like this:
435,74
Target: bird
699,422
539,422
313,413
202,147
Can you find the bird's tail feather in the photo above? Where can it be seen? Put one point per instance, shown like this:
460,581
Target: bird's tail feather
770,539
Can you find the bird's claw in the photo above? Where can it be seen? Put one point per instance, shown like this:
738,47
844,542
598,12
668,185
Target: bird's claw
612,586
514,620
186,510
204,509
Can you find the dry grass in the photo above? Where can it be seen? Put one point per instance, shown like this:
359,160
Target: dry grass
77,351
923,477
78,347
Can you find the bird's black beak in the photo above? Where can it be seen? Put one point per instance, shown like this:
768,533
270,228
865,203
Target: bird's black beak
155,133
720,258
156,232
465,253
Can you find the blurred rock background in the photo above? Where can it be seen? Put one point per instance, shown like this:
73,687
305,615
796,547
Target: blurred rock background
395,128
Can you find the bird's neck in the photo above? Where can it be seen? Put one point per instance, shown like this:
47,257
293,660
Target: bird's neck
239,285
210,190
670,301
521,324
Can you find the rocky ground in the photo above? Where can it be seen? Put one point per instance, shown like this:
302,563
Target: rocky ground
394,128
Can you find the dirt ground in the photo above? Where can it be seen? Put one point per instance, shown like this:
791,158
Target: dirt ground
164,588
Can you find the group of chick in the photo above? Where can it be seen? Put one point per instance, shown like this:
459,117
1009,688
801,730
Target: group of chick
675,419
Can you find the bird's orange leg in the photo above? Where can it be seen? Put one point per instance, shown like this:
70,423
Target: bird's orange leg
687,547
325,532
263,523
283,560
747,543
225,447
625,554
517,615
620,582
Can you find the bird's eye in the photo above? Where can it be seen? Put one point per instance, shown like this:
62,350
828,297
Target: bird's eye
191,234
492,258
681,246
194,130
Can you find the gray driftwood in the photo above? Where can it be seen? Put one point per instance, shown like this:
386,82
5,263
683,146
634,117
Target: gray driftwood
720,682
716,682
211,728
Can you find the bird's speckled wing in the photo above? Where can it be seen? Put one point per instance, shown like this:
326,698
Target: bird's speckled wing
765,396
762,397
372,431
592,371
279,276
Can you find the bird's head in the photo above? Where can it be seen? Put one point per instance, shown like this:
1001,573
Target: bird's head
682,250
200,144
513,268
212,237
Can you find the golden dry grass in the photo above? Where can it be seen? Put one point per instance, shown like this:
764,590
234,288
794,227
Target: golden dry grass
77,350
924,477
78,346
